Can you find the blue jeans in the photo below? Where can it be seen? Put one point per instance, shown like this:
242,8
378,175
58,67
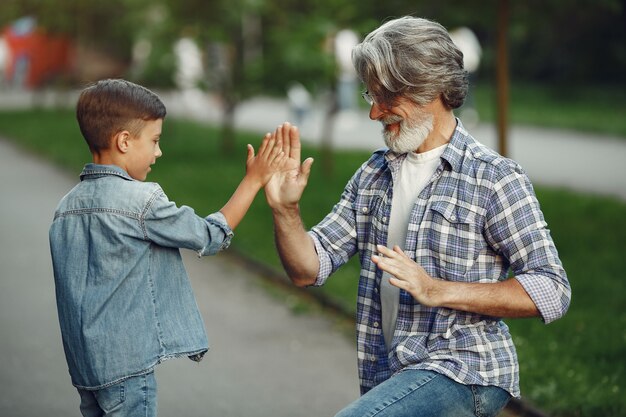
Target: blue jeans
133,397
429,394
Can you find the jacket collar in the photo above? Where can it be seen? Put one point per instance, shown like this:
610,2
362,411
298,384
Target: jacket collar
92,171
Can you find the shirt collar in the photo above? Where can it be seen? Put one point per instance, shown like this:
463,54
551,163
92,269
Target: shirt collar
455,150
92,171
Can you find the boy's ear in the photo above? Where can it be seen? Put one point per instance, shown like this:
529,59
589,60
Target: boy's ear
121,141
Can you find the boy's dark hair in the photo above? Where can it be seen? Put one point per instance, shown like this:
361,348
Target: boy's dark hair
110,106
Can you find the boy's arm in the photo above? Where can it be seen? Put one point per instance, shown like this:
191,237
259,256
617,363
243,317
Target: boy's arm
259,169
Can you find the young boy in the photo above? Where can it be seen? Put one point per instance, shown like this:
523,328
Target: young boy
124,300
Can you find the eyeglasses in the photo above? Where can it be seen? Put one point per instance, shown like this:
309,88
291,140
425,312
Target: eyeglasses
369,99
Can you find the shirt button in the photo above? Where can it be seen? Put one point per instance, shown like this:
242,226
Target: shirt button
375,324
384,220
478,154
364,210
453,218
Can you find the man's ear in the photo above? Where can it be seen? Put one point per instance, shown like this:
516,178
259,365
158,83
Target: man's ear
122,141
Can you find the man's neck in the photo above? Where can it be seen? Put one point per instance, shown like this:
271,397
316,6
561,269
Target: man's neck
444,124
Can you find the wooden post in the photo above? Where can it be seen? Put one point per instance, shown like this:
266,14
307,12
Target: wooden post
502,77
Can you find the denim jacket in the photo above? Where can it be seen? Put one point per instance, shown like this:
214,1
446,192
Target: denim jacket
124,299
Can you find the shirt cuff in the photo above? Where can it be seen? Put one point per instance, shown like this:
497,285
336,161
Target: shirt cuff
551,298
217,220
326,266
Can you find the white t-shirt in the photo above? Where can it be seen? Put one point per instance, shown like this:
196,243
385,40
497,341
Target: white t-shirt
415,173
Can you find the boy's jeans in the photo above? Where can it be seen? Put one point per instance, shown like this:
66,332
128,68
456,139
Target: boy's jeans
133,397
425,393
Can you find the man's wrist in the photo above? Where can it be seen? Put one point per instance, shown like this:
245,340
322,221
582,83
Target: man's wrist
437,293
286,210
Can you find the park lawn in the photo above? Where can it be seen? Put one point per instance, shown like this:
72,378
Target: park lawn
596,109
573,367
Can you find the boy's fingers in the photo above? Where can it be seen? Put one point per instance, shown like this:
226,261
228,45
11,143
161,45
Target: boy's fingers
250,152
281,137
284,136
274,153
265,143
279,159
279,141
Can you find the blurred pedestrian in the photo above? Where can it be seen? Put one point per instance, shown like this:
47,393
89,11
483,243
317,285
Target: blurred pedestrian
449,234
124,300
299,100
4,60
345,40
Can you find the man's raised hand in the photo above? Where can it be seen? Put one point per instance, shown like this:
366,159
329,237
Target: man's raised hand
286,187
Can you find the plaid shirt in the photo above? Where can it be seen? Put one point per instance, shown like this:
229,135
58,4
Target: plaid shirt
477,219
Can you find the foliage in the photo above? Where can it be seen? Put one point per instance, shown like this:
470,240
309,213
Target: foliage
270,43
109,26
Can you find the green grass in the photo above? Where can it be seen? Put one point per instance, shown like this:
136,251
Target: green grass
573,367
586,108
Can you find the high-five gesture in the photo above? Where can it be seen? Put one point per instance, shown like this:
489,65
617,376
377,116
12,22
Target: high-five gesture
259,169
286,186
270,159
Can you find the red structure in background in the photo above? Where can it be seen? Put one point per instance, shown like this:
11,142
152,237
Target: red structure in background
35,56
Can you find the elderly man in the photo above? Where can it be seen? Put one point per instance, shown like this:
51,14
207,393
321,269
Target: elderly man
449,234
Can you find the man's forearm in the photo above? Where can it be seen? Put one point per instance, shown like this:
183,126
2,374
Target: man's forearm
295,247
503,299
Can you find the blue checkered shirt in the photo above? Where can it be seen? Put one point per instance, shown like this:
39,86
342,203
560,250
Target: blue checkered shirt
477,220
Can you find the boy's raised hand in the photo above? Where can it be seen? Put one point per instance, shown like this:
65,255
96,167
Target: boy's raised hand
270,159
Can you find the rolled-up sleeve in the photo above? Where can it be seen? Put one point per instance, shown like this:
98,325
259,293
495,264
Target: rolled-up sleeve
335,236
515,227
220,234
326,266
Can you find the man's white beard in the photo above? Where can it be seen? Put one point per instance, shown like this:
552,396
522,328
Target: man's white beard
413,131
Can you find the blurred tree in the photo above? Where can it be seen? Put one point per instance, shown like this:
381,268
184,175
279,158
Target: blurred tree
568,43
263,45
228,31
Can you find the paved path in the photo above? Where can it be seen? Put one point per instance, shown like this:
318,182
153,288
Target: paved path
264,361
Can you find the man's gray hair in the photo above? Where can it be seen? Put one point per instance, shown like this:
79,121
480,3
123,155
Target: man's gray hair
412,57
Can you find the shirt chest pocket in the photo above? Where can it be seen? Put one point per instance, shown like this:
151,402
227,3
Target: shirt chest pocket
369,210
454,238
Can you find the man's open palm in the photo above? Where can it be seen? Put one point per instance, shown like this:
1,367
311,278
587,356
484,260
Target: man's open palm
286,187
